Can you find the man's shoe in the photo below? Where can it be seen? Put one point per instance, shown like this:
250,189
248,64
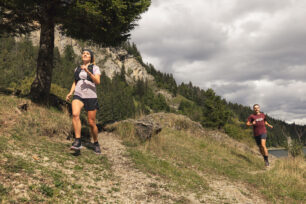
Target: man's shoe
76,145
267,164
97,148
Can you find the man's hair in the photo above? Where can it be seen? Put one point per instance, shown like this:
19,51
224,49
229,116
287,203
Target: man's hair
256,105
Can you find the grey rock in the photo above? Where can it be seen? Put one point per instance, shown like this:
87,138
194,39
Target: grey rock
109,59
146,128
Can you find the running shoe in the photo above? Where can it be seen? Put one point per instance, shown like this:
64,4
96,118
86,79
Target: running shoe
97,148
76,145
267,163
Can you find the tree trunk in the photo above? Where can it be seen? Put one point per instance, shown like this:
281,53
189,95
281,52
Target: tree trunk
40,88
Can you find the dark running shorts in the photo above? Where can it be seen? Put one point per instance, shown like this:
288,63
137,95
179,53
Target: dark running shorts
259,137
90,104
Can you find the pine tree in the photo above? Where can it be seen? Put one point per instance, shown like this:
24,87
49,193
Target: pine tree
215,112
106,22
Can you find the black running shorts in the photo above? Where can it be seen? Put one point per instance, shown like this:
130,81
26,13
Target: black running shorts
90,104
259,137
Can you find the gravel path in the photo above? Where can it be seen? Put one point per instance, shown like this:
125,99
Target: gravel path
137,187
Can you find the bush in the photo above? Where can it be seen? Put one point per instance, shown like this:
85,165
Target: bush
295,148
234,131
24,86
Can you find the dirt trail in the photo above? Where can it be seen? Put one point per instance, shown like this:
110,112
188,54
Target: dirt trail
225,191
134,186
123,183
138,187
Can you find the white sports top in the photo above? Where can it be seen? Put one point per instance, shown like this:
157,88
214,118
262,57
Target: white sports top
85,88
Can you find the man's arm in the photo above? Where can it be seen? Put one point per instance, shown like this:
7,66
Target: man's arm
266,123
249,123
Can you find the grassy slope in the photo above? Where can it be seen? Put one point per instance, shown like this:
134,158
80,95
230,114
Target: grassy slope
36,165
35,162
189,157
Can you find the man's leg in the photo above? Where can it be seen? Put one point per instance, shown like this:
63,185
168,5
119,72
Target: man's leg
264,148
265,151
262,151
259,144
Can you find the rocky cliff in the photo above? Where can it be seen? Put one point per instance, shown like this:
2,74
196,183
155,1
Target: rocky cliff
109,59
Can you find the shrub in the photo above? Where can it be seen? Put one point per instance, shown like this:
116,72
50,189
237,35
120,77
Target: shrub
295,148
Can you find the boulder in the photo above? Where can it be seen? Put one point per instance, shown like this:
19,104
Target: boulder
146,128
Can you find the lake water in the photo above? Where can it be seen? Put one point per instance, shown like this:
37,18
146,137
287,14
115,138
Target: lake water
282,152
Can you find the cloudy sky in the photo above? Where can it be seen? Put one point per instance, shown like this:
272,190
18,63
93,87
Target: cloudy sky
249,52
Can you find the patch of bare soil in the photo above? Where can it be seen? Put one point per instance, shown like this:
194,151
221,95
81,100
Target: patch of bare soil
225,191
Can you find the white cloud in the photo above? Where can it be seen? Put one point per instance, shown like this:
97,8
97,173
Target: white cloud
247,51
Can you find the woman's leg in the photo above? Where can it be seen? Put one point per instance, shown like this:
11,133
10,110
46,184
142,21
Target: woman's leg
77,105
92,124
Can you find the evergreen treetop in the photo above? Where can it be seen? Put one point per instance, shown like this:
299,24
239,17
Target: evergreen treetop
106,22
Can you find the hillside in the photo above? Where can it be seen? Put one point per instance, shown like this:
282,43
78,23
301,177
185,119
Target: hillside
161,142
130,87
183,163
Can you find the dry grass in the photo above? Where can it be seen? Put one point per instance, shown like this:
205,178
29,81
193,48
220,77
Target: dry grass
37,119
34,159
187,155
36,165
285,182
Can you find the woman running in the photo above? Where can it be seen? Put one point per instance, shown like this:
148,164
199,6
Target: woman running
84,94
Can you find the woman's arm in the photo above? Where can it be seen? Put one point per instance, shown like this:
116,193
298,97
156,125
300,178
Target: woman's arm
95,77
71,91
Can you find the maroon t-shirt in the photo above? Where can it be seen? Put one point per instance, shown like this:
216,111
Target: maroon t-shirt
260,127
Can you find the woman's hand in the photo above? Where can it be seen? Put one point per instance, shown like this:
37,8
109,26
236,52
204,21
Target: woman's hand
85,68
68,96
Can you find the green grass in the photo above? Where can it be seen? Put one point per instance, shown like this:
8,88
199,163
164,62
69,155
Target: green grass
180,178
58,180
186,160
285,182
46,190
180,155
16,164
177,100
35,154
52,182
202,153
76,186
235,131
3,144
3,192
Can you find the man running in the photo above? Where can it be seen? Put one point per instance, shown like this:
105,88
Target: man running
259,122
